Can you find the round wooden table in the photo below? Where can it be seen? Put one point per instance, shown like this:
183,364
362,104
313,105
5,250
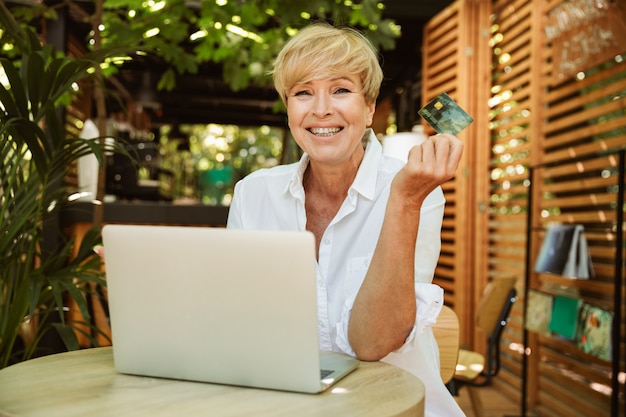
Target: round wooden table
85,383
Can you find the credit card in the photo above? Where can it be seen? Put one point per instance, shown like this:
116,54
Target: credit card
445,116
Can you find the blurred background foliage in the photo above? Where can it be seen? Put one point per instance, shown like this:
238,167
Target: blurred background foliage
241,36
244,36
207,160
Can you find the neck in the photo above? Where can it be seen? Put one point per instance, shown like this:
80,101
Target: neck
330,181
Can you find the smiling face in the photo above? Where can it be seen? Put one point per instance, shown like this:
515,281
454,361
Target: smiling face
329,79
327,118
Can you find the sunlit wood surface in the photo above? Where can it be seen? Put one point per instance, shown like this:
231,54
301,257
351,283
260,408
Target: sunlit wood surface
495,404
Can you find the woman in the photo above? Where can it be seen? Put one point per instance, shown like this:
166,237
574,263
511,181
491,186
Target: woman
377,221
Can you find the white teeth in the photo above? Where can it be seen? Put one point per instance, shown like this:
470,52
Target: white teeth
324,131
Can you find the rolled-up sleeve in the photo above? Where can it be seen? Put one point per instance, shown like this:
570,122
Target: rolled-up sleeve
428,244
429,301
428,296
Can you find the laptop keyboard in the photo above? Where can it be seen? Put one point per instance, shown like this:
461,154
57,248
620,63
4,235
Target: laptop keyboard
325,372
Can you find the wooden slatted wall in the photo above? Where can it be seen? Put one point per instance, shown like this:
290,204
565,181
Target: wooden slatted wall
444,58
582,126
582,191
568,131
541,123
513,104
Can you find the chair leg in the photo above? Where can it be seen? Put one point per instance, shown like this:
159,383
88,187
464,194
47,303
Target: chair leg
453,388
477,405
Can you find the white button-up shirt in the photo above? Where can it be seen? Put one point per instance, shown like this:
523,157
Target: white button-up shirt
274,199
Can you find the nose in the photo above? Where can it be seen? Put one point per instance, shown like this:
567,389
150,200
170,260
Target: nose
322,105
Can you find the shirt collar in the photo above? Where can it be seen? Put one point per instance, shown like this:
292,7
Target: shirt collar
294,186
365,181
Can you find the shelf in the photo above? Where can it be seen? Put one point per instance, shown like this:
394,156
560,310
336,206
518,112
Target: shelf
582,284
148,212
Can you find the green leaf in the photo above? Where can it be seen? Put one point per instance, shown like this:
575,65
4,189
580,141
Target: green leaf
10,107
35,290
8,23
25,132
17,88
35,79
167,82
92,238
67,334
63,79
32,44
54,126
47,79
78,297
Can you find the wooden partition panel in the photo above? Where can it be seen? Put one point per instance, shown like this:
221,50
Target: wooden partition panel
441,56
448,63
513,132
565,120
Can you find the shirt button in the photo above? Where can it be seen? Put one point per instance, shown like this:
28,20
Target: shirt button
327,241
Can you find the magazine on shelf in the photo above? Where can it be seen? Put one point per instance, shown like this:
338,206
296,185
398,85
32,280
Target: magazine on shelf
594,331
565,316
539,312
565,252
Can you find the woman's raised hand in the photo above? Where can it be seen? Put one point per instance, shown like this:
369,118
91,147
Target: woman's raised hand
429,165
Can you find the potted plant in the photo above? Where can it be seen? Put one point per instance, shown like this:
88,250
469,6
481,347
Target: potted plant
36,279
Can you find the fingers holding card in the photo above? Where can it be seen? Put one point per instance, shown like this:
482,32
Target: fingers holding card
445,115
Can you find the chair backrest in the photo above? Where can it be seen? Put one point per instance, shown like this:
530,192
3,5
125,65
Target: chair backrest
494,297
493,314
447,334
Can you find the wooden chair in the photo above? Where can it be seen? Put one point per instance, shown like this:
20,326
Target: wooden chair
473,369
446,332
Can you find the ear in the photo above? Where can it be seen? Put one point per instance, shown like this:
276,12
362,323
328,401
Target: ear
371,109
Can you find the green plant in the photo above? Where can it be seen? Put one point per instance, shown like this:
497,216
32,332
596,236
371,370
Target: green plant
35,277
242,36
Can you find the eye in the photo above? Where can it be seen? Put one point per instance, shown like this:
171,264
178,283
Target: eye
301,93
342,90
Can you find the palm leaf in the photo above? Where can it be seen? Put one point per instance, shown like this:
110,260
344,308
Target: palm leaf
17,89
34,155
25,132
6,98
68,335
47,53
35,81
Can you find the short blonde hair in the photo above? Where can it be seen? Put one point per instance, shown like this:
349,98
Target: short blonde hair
322,51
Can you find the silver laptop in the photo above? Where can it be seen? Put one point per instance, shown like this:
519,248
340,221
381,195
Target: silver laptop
215,305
